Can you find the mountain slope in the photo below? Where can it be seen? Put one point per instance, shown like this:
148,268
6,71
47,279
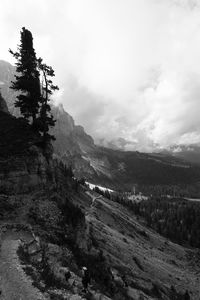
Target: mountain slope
133,167
152,264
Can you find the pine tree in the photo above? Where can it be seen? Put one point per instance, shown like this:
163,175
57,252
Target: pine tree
27,79
46,119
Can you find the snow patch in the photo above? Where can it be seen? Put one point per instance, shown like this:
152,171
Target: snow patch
92,186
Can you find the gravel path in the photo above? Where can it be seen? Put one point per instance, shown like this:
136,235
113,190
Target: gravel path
15,284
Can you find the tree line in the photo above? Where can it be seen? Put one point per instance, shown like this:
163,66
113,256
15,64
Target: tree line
33,82
176,219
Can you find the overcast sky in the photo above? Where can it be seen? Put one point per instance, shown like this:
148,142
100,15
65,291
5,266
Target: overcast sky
126,69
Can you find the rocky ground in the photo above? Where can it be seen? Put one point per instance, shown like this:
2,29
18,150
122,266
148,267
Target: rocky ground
14,282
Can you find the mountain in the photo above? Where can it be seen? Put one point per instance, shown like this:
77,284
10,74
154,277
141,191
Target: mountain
108,167
70,138
190,153
121,170
114,168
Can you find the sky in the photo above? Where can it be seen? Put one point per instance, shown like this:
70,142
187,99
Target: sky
128,70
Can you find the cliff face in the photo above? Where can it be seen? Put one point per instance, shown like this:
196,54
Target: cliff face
20,174
22,164
70,138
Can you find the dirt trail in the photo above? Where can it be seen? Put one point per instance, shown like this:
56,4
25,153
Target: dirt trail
93,197
15,284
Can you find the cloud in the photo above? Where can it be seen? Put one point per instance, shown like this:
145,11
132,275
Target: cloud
126,69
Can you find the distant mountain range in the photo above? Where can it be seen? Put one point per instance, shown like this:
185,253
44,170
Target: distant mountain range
188,152
110,167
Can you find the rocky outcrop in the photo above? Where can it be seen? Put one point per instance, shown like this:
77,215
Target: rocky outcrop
20,174
23,164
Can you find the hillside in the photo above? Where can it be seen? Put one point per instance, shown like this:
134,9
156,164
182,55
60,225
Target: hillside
152,264
128,168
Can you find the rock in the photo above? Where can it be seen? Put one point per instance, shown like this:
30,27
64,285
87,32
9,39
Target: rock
22,174
54,249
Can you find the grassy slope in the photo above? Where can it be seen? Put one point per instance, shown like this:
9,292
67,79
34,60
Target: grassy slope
143,255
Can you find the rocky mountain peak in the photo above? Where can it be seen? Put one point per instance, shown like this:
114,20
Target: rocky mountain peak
65,122
7,67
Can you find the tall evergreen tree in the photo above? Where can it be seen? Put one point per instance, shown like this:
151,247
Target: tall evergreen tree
45,118
27,78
